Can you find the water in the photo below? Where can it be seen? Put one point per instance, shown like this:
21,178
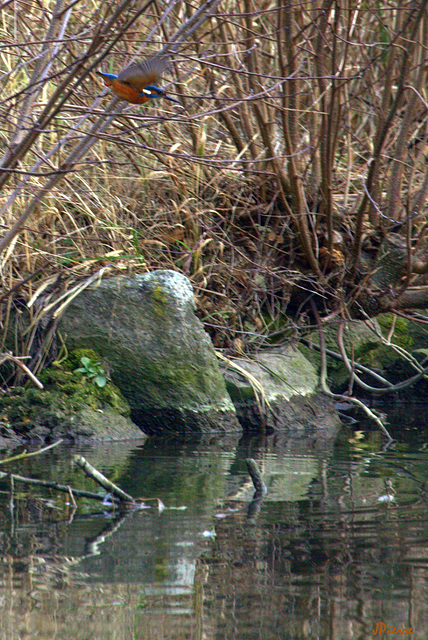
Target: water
338,548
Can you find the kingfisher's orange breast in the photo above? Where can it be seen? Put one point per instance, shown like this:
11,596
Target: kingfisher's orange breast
126,92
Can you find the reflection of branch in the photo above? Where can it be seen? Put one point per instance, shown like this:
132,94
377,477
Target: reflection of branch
93,544
256,477
260,489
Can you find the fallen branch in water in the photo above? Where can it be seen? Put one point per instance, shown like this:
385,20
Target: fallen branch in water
102,480
91,472
25,454
51,484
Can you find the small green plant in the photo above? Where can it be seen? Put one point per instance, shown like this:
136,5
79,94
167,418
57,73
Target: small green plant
93,371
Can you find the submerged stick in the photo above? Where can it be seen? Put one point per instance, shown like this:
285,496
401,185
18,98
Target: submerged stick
256,477
102,480
32,453
51,484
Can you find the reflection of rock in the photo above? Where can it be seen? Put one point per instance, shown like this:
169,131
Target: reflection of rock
279,391
148,548
337,560
158,550
322,555
158,353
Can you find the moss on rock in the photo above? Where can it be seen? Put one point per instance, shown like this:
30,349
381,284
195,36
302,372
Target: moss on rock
67,397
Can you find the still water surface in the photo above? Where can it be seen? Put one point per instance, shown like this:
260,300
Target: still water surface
338,547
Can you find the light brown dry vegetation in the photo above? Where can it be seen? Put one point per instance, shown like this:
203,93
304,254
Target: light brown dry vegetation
301,140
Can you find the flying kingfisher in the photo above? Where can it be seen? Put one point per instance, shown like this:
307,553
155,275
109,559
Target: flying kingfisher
135,83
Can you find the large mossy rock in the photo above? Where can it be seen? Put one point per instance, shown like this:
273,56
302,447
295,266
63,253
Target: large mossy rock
157,351
279,392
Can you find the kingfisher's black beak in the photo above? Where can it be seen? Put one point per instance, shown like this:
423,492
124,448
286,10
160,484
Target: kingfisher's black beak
161,93
172,99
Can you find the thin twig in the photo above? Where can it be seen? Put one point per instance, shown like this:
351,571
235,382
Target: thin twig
340,397
32,453
51,484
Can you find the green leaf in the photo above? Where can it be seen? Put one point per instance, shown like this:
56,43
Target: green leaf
80,370
101,381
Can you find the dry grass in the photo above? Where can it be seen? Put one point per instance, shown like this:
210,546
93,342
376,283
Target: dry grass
301,132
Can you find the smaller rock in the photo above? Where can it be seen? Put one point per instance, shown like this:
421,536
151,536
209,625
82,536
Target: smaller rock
279,391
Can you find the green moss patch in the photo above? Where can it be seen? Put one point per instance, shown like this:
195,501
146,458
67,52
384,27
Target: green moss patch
66,392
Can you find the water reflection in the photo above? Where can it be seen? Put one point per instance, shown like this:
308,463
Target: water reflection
339,544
